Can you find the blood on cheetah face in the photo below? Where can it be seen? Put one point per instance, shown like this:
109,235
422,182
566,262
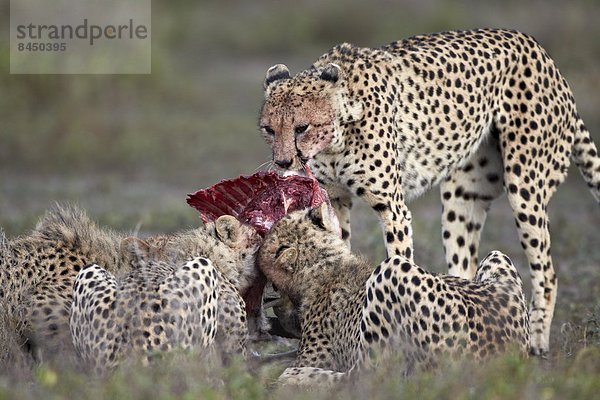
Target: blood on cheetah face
298,117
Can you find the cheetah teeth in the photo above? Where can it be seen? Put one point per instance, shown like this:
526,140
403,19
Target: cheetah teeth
298,173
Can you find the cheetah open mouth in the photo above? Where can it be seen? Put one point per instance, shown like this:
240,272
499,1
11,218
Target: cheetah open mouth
259,200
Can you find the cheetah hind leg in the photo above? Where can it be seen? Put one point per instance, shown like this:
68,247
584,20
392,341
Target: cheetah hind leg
94,286
497,269
533,227
192,293
48,333
466,197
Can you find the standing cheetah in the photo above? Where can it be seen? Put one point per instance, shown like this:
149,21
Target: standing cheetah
474,111
38,272
348,310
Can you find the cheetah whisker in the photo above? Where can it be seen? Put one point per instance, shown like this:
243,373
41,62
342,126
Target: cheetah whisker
268,163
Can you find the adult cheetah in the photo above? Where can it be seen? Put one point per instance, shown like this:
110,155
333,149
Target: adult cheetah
38,271
475,111
349,310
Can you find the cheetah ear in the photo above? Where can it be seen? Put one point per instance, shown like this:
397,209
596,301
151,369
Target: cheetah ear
228,229
287,258
275,73
322,216
331,73
133,246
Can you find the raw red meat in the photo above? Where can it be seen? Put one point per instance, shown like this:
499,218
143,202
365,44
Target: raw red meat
258,200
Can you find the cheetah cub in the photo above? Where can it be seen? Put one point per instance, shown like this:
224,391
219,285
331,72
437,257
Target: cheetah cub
184,292
348,310
38,273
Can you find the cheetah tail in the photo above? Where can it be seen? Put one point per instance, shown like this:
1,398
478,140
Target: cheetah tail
587,159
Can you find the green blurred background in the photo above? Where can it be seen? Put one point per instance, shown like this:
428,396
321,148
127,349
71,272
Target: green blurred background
128,148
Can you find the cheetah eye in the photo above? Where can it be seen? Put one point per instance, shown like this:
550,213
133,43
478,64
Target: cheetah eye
268,130
280,250
300,129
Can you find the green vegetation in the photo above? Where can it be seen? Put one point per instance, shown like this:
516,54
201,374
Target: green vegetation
188,376
129,148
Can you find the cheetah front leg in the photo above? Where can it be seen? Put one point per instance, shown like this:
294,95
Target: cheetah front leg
232,330
342,204
466,197
394,216
396,220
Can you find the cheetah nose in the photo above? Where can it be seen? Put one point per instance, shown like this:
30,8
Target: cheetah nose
283,163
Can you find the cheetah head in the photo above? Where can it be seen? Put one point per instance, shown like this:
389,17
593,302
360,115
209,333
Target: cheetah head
243,240
291,250
234,250
301,115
